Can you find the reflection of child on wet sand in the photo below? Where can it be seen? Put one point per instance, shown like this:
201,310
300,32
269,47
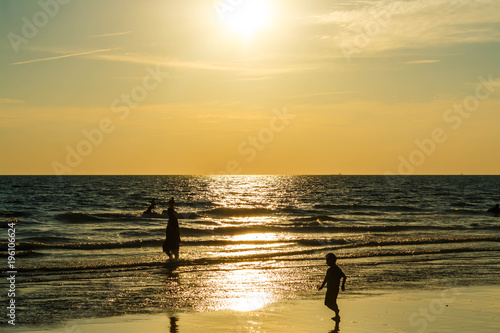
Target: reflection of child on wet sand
332,280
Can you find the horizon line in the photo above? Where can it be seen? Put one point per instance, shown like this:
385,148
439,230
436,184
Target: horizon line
242,175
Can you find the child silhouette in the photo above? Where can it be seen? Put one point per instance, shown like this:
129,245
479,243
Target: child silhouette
332,280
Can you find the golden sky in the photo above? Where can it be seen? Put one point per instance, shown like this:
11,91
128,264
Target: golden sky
249,87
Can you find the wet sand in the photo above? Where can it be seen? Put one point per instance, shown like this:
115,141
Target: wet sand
475,309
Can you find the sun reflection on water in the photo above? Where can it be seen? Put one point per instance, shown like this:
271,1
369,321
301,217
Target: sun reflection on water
250,201
243,289
246,191
255,237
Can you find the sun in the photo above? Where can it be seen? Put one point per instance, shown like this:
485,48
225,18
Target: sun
246,18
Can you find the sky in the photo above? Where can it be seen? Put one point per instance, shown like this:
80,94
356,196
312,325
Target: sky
249,87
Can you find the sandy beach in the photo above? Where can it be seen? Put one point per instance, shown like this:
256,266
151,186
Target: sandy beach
475,309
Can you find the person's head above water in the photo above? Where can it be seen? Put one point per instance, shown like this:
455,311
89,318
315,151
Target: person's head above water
331,259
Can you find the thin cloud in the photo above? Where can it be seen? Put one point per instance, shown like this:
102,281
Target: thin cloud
208,66
111,34
422,61
254,78
250,70
10,101
412,24
494,82
61,56
331,93
147,60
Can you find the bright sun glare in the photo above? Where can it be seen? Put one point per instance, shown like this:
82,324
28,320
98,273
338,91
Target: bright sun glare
247,17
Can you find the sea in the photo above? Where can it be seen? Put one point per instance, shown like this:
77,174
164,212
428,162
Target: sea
84,248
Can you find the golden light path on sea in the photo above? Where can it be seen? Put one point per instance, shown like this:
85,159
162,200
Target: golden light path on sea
245,285
244,289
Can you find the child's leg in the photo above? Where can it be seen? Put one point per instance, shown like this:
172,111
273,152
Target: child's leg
331,302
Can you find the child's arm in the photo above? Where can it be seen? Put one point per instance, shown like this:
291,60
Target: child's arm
343,282
323,284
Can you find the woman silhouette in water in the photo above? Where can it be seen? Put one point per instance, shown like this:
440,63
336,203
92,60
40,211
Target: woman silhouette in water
173,239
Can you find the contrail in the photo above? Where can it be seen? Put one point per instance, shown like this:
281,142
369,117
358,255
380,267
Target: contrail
61,56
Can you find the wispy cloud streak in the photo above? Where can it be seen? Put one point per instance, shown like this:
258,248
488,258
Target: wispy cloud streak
413,24
250,69
111,34
61,56
429,61
10,101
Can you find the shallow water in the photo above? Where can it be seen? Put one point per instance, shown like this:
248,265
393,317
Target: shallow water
85,249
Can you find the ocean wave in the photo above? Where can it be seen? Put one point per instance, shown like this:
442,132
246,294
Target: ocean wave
47,239
196,204
357,207
315,218
5,223
322,242
23,254
336,206
27,246
345,243
323,228
360,213
360,228
31,245
294,211
428,241
239,212
77,217
276,256
188,216
465,211
9,213
141,233
463,204
412,253
116,216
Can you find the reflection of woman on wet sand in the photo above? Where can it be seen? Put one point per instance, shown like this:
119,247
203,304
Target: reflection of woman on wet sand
173,325
173,239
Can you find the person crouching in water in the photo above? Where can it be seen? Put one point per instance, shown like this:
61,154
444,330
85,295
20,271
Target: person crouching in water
332,280
152,206
173,239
